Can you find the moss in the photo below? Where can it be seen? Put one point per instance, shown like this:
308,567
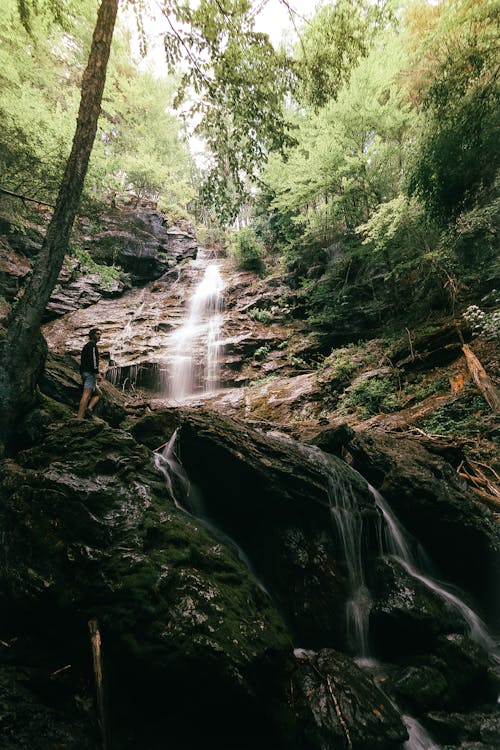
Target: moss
459,417
107,274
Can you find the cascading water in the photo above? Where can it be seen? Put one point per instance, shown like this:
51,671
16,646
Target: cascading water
117,361
383,536
196,344
397,547
188,499
391,541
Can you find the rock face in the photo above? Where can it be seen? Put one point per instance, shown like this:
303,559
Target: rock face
341,706
75,291
201,589
142,243
91,532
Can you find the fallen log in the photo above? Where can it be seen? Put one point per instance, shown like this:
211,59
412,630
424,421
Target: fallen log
482,380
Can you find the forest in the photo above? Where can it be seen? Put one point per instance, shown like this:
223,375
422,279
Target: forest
287,500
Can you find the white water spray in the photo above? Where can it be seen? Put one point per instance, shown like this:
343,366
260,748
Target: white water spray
195,361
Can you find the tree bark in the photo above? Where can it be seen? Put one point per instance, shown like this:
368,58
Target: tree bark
22,348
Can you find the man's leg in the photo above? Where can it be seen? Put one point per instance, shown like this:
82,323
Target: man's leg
95,398
83,402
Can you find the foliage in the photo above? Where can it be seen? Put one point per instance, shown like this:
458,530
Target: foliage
211,235
37,105
261,315
371,396
348,157
340,365
141,136
332,43
457,94
459,417
484,323
261,352
107,274
247,250
222,57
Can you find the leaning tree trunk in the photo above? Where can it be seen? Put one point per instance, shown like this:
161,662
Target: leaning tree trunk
22,348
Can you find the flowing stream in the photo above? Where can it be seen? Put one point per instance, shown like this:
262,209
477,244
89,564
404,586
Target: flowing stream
196,344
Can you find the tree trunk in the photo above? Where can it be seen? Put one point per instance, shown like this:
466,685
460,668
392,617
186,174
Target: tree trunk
22,349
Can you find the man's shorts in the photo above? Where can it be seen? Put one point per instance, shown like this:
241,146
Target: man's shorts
89,381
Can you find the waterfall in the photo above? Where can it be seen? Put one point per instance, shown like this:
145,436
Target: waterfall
398,549
189,499
391,541
196,344
118,363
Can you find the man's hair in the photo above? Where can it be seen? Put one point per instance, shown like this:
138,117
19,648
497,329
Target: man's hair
93,332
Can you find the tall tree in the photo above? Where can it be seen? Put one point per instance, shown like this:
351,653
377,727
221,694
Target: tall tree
224,57
22,349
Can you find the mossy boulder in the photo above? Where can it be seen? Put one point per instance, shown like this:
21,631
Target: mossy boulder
90,531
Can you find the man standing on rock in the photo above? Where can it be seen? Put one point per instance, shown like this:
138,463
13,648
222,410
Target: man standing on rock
89,369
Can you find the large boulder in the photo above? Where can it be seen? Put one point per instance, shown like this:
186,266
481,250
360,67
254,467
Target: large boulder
90,531
278,499
341,706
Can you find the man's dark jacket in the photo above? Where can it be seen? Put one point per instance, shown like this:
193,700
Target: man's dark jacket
90,358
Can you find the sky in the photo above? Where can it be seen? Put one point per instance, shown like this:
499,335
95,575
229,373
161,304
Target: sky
273,19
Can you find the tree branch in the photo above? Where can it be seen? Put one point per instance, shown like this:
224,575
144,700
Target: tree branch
24,198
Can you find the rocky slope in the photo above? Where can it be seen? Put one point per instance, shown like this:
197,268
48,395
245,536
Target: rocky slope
221,573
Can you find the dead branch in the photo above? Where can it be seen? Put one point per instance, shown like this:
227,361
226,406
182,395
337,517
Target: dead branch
339,712
486,497
95,642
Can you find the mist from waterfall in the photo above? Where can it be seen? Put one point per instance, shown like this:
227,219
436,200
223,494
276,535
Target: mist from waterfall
195,359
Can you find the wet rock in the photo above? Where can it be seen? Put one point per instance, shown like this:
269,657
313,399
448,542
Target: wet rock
433,503
422,688
90,531
339,705
333,439
273,497
475,729
406,615
466,667
36,714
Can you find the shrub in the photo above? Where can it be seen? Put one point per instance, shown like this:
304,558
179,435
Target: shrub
372,395
486,323
107,274
247,250
261,352
261,316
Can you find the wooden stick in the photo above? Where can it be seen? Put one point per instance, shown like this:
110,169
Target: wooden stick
482,380
95,642
341,719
